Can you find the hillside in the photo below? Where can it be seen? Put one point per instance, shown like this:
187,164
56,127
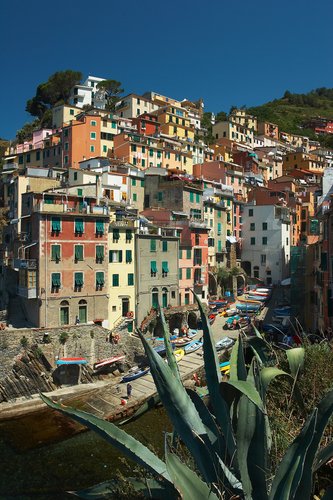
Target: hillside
293,110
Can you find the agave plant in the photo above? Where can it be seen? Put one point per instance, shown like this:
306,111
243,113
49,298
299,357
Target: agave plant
230,446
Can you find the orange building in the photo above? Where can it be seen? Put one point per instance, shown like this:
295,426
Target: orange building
303,161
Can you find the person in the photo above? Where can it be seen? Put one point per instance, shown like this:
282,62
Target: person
129,390
77,320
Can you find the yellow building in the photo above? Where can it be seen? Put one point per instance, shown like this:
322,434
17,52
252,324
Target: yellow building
240,117
64,113
121,272
175,122
303,161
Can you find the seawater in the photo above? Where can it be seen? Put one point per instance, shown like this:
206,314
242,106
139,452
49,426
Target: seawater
41,459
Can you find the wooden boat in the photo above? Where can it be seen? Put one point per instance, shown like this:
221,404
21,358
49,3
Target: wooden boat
249,299
133,375
192,346
224,343
179,354
181,341
218,303
107,362
71,361
192,333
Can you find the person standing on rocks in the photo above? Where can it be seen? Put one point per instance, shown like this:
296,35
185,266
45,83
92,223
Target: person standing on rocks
129,391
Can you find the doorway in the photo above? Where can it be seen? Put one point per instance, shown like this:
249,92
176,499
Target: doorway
83,311
64,312
124,306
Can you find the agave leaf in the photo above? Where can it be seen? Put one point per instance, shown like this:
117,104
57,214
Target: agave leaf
117,437
187,482
213,378
268,374
289,472
262,350
169,352
237,363
248,390
323,456
234,482
182,413
252,444
149,488
256,331
147,405
295,358
325,410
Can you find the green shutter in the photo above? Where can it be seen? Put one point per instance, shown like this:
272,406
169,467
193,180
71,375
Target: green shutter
128,255
188,253
159,196
191,197
164,300
153,245
100,278
79,192
78,226
130,279
128,234
99,227
78,280
133,182
197,198
120,256
180,273
164,246
115,280
153,267
165,267
142,183
116,234
323,262
56,224
219,228
219,246
100,253
180,253
55,253
78,252
56,280
188,273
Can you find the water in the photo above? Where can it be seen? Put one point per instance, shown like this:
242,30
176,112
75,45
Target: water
40,461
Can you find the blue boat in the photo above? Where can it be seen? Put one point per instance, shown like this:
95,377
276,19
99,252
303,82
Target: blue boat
134,375
248,307
71,361
225,363
160,349
192,346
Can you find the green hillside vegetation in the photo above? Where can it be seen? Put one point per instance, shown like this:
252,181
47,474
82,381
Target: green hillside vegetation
292,111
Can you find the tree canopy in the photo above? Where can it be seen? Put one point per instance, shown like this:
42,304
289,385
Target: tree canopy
113,90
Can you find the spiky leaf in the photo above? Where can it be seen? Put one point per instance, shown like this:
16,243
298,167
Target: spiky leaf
117,437
248,390
169,352
186,481
295,358
213,378
237,363
147,405
261,349
289,472
323,456
268,374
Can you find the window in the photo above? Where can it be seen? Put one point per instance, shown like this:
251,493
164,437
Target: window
250,212
135,197
66,160
133,182
153,268
253,241
99,254
71,112
115,235
92,149
100,280
188,253
55,253
187,298
154,298
153,245
93,124
191,197
263,260
164,297
180,253
78,252
264,226
173,294
256,271
164,246
188,273
93,135
142,183
20,160
143,162
219,228
55,281
130,279
159,196
128,235
28,158
38,155
128,256
115,280
264,240
180,273
252,226
287,241
197,198
115,256
78,280
78,226
79,192
75,176
55,225
99,227
105,149
165,269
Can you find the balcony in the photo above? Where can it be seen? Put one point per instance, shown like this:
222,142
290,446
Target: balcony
60,208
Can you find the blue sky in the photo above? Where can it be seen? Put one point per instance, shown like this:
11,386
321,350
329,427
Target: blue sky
228,52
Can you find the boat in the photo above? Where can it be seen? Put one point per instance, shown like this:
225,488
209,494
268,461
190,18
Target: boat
161,339
161,350
71,361
192,333
229,312
192,346
282,311
133,375
179,354
224,343
109,361
225,367
181,341
218,303
247,307
249,299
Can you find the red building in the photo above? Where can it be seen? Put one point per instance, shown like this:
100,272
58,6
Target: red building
147,124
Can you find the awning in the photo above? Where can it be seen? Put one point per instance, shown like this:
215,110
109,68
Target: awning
286,282
153,267
231,239
165,268
184,214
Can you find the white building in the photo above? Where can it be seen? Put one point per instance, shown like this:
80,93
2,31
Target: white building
266,242
87,93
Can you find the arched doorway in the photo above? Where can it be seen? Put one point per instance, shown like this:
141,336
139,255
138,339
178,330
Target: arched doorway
164,297
124,306
83,311
64,312
154,298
